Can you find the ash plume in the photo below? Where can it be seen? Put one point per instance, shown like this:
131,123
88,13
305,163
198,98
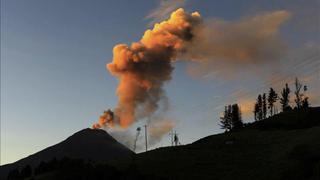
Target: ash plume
106,119
225,48
248,40
158,129
143,67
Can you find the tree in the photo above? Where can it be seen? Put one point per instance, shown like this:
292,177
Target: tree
284,100
272,98
297,93
236,120
225,120
264,106
256,111
305,101
259,107
231,119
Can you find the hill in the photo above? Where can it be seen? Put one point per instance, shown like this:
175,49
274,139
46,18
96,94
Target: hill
285,146
88,144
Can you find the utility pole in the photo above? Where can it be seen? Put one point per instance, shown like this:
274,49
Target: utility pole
171,135
145,134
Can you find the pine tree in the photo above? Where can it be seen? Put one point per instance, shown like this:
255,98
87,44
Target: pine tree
272,98
236,119
231,119
225,120
284,100
264,106
297,93
256,111
259,104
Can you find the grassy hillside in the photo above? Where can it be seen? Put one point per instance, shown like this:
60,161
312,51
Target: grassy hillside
285,146
254,155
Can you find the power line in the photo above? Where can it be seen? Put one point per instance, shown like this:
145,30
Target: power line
302,64
305,62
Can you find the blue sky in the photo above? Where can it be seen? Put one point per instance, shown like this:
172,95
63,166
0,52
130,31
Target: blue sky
54,81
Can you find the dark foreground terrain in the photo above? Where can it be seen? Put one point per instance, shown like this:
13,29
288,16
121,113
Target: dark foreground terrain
285,146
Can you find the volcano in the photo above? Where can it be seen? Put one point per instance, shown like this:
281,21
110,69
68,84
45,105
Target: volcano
88,144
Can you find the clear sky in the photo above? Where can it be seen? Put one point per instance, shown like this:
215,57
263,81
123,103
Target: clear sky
54,81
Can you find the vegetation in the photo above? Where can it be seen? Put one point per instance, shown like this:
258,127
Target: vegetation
301,100
258,111
285,98
264,106
231,119
298,93
67,168
272,98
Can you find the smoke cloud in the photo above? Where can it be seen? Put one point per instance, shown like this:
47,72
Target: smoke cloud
248,40
224,48
158,129
106,119
145,66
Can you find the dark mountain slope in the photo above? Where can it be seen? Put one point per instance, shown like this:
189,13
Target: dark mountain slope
260,151
88,144
282,147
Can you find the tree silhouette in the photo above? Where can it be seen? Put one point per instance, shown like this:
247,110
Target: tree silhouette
236,120
231,119
256,111
225,120
305,101
285,98
259,107
298,94
272,98
264,106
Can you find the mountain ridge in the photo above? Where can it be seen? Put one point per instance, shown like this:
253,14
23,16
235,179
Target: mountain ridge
88,144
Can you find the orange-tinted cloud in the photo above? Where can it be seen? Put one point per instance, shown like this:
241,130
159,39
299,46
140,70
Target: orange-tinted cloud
145,66
224,47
